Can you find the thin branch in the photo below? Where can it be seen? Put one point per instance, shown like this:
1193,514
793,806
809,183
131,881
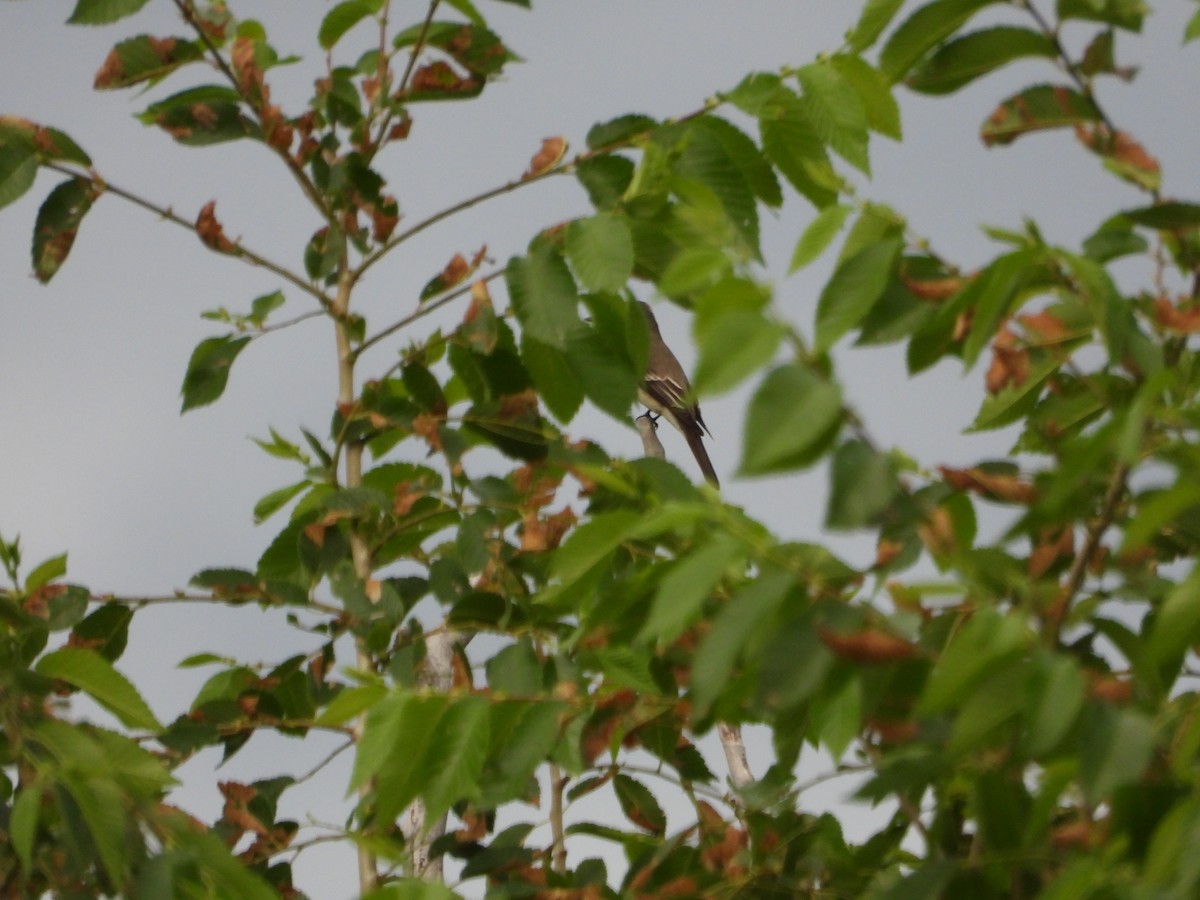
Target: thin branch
240,251
306,186
562,168
558,841
417,47
735,754
421,312
1095,531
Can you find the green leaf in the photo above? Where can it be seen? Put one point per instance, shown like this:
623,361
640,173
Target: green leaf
95,675
18,168
1192,31
45,572
458,755
277,499
413,888
1126,14
1039,108
1169,216
57,223
872,21
210,114
986,640
588,546
793,416
99,803
208,369
733,343
852,290
818,235
685,588
865,482
351,702
23,821
692,269
474,47
1115,747
600,250
102,12
1015,401
619,130
639,805
552,373
1054,696
874,91
145,58
1176,627
834,108
922,31
341,19
790,140
744,614
959,62
543,295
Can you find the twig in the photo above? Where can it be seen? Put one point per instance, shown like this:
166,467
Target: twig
240,251
421,311
735,754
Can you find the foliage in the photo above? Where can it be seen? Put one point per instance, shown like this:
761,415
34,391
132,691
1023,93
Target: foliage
1029,710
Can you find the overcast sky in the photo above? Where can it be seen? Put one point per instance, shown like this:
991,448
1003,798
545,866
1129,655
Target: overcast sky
94,458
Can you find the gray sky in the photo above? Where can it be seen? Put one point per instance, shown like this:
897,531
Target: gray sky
96,459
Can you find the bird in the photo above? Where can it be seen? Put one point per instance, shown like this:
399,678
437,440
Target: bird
667,392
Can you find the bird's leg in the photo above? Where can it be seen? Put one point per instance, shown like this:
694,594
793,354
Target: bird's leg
648,414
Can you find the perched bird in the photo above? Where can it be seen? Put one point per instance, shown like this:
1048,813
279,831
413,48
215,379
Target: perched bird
667,392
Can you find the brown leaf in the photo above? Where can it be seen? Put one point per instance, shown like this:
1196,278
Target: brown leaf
210,231
533,534
1111,689
1176,318
871,646
993,485
933,289
885,551
1045,327
553,149
1049,549
429,428
245,66
384,218
1010,364
937,532
278,133
440,78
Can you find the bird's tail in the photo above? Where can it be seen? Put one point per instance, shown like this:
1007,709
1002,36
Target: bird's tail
696,442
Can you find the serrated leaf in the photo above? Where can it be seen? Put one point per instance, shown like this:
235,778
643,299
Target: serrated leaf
475,47
852,290
600,250
102,12
791,142
95,675
959,62
874,91
543,295
792,416
57,223
208,370
639,805
23,821
209,114
834,108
